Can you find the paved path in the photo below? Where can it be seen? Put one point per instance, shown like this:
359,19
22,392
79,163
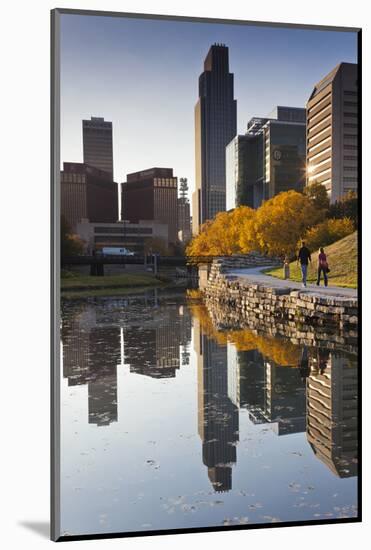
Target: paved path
255,275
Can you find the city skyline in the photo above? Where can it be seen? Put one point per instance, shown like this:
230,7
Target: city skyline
143,136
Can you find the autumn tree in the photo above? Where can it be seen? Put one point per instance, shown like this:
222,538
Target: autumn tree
281,221
221,236
328,232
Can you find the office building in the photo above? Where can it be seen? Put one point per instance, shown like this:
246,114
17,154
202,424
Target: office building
215,126
332,129
268,159
152,195
123,234
97,144
87,193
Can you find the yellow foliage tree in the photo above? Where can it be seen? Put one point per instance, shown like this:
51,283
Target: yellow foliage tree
328,232
221,236
281,221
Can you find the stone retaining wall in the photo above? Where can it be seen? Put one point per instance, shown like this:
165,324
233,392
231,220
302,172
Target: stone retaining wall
274,305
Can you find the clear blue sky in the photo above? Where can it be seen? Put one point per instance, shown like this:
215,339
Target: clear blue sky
143,76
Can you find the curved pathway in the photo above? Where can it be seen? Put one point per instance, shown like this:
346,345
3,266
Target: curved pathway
255,276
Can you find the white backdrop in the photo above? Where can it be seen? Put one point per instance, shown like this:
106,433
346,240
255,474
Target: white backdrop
24,180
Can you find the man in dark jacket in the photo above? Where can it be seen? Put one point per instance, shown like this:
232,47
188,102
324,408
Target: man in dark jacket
304,258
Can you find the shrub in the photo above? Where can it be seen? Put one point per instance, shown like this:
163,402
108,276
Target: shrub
345,207
328,232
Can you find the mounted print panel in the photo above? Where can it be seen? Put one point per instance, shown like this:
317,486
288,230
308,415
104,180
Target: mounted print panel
205,193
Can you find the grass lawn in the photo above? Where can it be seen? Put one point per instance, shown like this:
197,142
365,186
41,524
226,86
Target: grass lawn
342,259
86,285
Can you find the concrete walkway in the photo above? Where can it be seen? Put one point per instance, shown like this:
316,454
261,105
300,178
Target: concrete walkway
255,275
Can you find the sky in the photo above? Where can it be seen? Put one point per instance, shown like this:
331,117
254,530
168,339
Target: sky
143,76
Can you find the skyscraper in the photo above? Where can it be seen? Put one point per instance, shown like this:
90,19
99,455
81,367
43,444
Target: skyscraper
152,195
332,128
87,193
268,159
215,126
97,144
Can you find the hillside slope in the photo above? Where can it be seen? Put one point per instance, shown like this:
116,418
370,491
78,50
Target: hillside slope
342,259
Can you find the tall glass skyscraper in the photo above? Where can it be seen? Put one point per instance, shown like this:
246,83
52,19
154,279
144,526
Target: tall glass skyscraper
215,127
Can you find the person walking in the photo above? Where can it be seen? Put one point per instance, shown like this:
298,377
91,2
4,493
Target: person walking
322,267
304,258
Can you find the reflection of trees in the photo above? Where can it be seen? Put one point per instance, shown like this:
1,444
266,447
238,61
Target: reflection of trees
319,396
280,351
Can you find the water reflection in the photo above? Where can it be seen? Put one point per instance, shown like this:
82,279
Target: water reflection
217,413
331,388
283,386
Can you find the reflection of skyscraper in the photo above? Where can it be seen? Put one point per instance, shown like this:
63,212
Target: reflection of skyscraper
217,414
273,393
76,344
215,126
332,411
160,356
91,352
103,399
102,387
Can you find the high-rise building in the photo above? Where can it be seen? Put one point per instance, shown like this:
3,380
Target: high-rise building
152,195
268,159
215,126
97,144
87,193
332,129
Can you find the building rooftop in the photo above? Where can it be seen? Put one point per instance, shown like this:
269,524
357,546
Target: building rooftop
326,80
150,173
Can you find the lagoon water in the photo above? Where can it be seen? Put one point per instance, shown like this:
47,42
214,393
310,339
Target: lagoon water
167,423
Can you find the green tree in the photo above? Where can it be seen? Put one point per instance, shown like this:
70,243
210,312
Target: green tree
156,245
346,207
71,244
317,193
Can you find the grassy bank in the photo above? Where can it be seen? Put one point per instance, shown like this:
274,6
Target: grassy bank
75,284
342,259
